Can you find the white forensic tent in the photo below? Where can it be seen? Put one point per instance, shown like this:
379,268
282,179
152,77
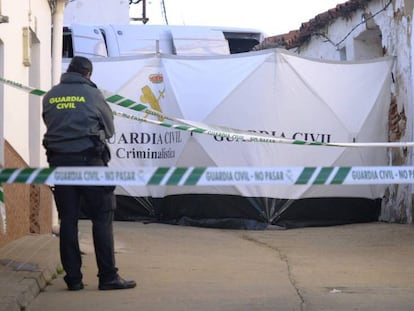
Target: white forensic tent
273,92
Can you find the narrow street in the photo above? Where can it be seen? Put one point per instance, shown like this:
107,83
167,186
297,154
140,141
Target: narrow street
352,267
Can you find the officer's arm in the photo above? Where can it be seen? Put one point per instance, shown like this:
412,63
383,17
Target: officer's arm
107,118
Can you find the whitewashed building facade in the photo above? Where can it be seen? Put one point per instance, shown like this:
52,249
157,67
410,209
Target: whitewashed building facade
25,45
25,57
360,30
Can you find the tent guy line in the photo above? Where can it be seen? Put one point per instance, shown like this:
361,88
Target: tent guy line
201,128
210,176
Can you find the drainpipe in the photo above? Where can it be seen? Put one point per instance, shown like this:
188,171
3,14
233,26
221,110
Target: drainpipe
411,100
57,42
3,19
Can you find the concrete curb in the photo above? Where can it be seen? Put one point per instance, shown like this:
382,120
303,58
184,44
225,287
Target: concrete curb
27,266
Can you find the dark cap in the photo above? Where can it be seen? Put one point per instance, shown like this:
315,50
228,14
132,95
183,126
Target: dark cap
80,65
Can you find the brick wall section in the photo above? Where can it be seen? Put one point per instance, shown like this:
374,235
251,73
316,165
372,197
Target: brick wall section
397,121
28,207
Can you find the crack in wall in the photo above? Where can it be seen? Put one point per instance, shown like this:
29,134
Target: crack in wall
285,259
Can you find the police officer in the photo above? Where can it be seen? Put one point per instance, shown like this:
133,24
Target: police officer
78,122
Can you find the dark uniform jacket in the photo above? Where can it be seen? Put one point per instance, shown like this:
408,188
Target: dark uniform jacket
76,115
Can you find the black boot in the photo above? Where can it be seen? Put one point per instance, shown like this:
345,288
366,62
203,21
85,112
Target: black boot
117,283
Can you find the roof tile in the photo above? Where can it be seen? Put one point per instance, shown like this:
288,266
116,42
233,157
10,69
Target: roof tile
298,37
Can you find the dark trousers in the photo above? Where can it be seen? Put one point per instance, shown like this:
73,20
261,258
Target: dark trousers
98,204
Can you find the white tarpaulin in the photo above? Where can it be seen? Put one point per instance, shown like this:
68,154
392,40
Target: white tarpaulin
273,92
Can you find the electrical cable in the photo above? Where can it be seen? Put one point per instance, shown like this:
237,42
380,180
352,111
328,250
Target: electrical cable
353,28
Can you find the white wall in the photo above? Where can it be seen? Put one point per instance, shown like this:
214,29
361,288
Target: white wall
22,125
395,29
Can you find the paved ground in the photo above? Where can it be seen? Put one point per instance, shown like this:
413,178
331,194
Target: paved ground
352,267
26,267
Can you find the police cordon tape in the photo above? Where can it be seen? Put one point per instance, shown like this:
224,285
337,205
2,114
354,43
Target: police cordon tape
1,195
209,176
2,212
202,128
227,132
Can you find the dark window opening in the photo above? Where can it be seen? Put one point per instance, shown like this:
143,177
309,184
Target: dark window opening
67,44
241,45
241,42
67,47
